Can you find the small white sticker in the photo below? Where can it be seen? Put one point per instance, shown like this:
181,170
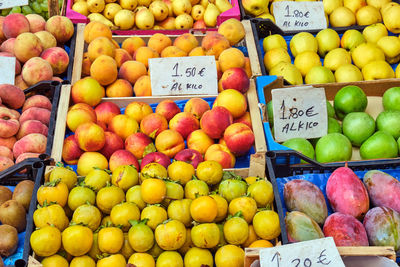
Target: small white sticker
12,3
7,67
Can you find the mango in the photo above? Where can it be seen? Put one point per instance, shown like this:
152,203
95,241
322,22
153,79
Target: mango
304,196
383,227
383,189
345,230
346,193
300,227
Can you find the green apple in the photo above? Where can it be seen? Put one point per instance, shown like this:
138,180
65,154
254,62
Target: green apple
342,17
274,41
301,145
270,113
289,72
336,58
351,39
348,73
391,99
358,127
330,110
327,39
333,127
389,121
390,46
333,147
366,53
379,145
319,74
303,41
350,98
376,70
374,32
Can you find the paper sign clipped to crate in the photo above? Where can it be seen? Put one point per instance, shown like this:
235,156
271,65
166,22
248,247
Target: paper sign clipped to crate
183,76
315,253
299,112
7,67
12,3
299,16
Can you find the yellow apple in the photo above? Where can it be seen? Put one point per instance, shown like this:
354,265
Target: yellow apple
374,32
289,72
274,56
336,58
397,73
266,15
354,5
330,5
255,7
391,19
319,74
390,46
378,3
379,69
327,39
368,15
274,41
306,60
348,73
303,41
351,39
366,53
386,6
342,17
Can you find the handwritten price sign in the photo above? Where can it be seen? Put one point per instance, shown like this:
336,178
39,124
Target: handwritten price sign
7,65
299,16
314,253
12,3
183,76
299,112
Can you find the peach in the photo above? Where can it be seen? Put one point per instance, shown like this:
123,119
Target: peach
123,126
239,138
11,96
36,22
15,24
25,156
8,142
186,42
58,59
119,88
5,163
142,86
61,28
235,78
71,151
184,123
232,100
189,156
131,44
173,51
247,67
246,119
26,46
96,29
197,51
6,152
153,124
46,39
169,142
142,54
78,115
196,106
86,63
168,109
57,79
222,155
112,144
36,70
138,110
122,157
215,121
200,24
132,70
106,111
39,101
101,46
90,160
9,124
139,145
104,70
121,55
17,64
214,43
156,157
2,37
87,90
34,113
34,142
31,126
159,41
90,137
231,58
8,46
168,23
219,72
198,140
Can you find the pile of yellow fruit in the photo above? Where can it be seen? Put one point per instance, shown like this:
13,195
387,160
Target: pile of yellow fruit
148,14
160,217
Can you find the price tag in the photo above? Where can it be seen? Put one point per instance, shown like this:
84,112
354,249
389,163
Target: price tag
315,253
299,112
7,67
12,3
183,76
299,16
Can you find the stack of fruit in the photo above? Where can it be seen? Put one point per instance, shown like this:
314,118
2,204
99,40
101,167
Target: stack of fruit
164,217
33,42
327,58
159,14
350,201
39,7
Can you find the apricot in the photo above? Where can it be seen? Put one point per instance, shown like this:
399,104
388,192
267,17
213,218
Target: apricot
121,55
214,43
104,70
173,51
142,86
96,29
186,42
119,88
100,46
231,58
131,44
132,70
86,63
158,42
197,51
144,53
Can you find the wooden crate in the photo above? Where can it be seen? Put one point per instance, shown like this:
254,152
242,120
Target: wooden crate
252,254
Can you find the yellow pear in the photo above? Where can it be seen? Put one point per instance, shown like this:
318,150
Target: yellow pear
289,72
336,58
81,7
366,53
184,21
159,10
145,3
168,23
110,10
128,4
124,19
100,18
379,69
144,19
170,9
198,12
223,5
95,6
109,1
181,7
348,73
306,60
210,15
390,46
204,3
194,2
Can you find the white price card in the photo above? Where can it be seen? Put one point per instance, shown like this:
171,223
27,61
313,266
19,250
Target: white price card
299,112
299,16
7,67
316,253
12,3
183,76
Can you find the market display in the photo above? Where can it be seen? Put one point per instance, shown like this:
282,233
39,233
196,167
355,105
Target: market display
39,7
